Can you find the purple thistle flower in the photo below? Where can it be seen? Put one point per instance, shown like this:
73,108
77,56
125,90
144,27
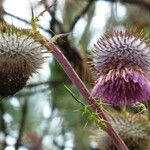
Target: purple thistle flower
122,62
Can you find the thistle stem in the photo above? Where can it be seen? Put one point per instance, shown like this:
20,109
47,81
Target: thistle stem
120,145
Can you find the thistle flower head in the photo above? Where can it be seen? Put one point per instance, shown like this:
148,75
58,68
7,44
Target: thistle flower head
20,57
122,62
133,129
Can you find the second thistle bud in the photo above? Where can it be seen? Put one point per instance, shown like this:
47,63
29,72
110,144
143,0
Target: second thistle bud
122,62
20,57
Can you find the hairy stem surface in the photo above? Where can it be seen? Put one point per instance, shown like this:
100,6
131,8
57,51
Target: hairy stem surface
120,145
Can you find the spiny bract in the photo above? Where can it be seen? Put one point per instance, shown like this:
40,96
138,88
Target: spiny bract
21,54
133,129
122,62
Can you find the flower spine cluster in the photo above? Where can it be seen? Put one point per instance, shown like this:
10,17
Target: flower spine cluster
134,130
122,63
21,54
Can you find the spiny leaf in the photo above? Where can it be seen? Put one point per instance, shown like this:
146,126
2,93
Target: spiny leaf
91,115
35,19
74,96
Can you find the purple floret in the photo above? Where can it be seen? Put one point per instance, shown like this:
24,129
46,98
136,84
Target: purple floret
122,63
123,89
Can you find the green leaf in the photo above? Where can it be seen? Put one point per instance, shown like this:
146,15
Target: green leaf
91,115
35,19
74,96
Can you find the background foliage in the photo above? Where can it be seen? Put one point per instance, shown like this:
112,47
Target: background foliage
44,116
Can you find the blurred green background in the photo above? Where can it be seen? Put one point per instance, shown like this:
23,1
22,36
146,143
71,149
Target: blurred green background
43,115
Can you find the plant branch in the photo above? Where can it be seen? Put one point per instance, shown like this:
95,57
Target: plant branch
83,12
53,22
51,83
3,124
141,3
22,123
85,93
31,93
24,20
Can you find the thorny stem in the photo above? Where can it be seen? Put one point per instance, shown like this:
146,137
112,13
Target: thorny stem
120,145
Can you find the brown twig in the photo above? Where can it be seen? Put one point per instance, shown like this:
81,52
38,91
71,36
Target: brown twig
53,22
141,3
51,83
23,20
3,124
82,13
22,123
31,93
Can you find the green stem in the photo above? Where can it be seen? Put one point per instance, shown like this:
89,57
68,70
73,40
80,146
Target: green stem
120,145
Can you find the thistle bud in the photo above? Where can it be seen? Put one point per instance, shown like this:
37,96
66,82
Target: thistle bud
133,129
20,56
122,62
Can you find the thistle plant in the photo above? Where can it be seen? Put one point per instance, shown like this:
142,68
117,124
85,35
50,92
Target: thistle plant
21,54
122,63
85,93
133,128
